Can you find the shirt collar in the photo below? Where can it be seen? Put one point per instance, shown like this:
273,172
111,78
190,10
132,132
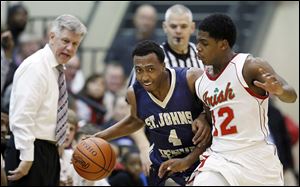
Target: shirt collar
50,56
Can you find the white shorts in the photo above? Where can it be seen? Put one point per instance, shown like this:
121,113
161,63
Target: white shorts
256,165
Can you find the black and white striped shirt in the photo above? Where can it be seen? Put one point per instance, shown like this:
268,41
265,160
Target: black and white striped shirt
173,59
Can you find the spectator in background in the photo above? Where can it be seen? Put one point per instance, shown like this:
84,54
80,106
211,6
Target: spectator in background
121,110
7,46
4,131
17,17
144,20
75,80
74,75
130,174
29,43
71,131
89,101
66,151
115,87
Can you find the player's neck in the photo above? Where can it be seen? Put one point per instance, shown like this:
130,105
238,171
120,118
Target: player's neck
218,67
164,86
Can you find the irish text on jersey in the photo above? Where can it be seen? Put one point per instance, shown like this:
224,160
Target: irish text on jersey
218,97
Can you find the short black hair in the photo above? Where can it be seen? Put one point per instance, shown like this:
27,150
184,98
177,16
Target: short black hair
146,47
12,10
219,26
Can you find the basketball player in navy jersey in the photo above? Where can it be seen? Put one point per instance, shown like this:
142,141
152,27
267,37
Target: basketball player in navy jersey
235,89
164,99
179,52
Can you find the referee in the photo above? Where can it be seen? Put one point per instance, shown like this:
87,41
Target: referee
179,52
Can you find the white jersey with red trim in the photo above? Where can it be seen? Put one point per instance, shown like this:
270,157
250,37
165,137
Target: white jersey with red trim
239,115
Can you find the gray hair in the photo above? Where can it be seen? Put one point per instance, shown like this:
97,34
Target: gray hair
179,10
70,23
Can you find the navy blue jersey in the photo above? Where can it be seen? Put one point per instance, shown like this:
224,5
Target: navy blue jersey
168,123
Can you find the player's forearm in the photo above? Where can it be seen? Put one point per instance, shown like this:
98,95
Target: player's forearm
140,139
194,155
124,127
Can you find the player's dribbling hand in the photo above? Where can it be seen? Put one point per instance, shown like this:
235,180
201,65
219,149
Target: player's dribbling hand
172,166
86,137
21,171
271,84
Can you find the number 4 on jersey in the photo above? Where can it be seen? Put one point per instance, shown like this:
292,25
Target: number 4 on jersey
173,138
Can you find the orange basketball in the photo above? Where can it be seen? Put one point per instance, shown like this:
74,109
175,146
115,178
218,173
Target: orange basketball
94,159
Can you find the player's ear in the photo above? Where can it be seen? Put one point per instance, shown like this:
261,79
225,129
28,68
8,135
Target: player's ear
51,36
224,44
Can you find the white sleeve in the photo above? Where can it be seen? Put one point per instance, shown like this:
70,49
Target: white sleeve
26,98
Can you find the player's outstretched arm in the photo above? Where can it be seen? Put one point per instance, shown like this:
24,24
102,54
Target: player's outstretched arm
127,125
261,78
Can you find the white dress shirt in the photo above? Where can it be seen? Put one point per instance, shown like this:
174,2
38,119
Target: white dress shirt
33,103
